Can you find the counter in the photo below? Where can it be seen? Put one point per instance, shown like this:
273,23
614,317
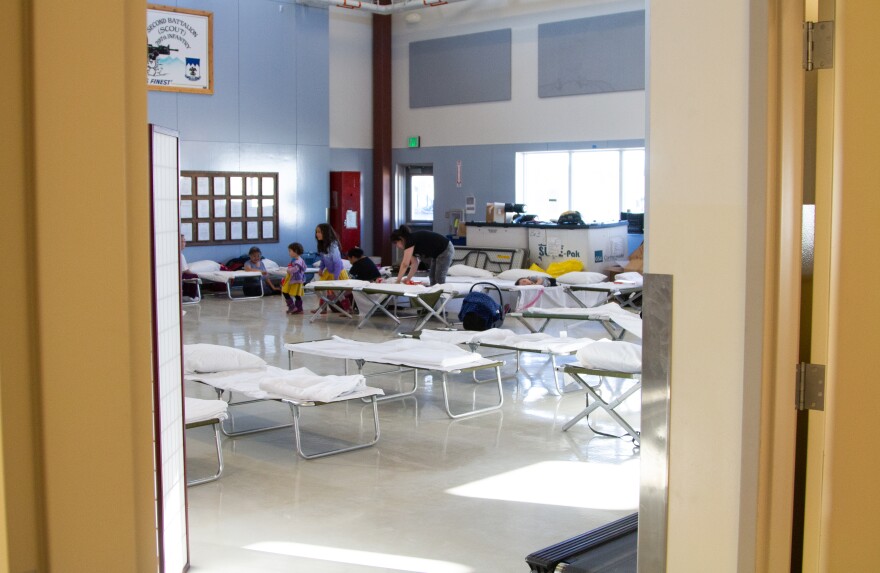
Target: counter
597,245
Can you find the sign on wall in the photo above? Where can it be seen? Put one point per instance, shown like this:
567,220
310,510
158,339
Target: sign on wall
180,54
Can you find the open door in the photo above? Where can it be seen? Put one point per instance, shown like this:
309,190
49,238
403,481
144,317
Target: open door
841,511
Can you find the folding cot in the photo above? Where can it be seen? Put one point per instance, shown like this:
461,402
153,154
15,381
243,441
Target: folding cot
198,413
616,321
506,340
407,354
580,373
625,290
430,302
248,375
209,271
605,359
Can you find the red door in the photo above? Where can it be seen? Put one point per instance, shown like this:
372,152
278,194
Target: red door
345,207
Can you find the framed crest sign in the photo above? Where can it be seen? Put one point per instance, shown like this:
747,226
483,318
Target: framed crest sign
180,52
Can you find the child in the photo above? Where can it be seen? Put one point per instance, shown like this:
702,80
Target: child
330,266
292,285
362,268
536,280
255,264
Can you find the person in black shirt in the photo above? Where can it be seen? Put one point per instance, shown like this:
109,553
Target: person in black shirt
362,268
433,249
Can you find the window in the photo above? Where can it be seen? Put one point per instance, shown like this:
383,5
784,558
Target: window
226,207
599,183
420,193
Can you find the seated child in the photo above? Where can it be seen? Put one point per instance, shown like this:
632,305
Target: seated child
362,268
255,264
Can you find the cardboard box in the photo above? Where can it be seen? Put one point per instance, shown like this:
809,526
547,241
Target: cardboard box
636,259
462,230
494,212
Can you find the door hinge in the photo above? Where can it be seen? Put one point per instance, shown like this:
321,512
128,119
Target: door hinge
818,45
810,387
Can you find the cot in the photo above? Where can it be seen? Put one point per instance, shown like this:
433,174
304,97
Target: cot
300,388
506,340
606,359
625,290
580,375
616,321
430,302
199,413
407,354
228,279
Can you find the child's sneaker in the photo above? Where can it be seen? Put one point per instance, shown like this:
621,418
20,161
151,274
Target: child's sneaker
295,311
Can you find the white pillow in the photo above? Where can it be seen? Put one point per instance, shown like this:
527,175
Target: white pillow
204,266
516,274
270,264
581,278
467,271
216,358
615,355
630,277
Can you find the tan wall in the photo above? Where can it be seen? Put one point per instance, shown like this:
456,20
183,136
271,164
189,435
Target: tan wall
698,231
76,393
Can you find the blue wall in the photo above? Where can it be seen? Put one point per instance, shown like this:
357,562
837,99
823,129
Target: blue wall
269,112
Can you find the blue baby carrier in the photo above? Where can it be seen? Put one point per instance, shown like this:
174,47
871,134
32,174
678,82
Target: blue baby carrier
479,311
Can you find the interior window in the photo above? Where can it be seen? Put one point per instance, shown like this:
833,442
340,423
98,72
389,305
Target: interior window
420,193
600,183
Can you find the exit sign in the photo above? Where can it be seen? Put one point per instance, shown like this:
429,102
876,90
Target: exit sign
415,141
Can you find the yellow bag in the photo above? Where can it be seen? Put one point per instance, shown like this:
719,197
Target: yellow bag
562,267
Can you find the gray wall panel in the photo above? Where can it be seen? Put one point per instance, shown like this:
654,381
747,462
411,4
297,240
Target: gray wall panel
215,117
250,123
313,192
592,55
282,159
267,85
162,109
471,68
313,76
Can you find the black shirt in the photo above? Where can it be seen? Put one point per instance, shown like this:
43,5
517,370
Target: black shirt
427,244
364,269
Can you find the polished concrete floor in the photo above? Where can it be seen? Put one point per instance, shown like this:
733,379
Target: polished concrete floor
434,495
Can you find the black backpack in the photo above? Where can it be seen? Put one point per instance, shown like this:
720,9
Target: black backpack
479,311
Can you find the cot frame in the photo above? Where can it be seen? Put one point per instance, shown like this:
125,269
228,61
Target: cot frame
625,296
198,298
330,301
616,332
475,345
402,367
578,373
229,283
295,407
215,423
560,387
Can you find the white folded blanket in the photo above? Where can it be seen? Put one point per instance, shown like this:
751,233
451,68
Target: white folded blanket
250,383
198,410
303,384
